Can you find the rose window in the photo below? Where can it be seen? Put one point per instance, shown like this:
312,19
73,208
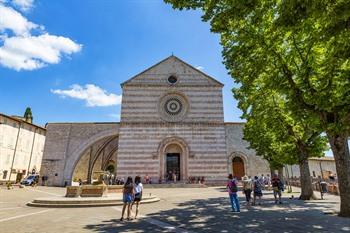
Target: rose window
173,107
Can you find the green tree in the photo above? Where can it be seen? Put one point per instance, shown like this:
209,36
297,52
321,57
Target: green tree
281,138
298,48
28,115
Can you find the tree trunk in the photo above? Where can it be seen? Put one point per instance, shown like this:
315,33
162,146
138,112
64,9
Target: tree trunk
340,148
280,173
272,171
305,180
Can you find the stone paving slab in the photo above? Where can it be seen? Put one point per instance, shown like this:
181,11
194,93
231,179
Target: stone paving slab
179,210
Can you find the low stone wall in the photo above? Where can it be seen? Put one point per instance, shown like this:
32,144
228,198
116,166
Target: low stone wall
332,187
86,191
115,188
73,191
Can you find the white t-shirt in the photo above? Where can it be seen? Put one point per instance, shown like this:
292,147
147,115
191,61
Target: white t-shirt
138,188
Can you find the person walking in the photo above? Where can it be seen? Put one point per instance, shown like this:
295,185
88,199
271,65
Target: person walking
268,182
232,188
128,196
262,181
257,187
277,187
138,189
247,188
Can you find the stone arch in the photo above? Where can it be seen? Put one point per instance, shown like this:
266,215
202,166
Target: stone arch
74,157
185,151
100,152
240,155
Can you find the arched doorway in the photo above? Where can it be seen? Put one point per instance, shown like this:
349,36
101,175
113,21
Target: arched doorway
173,155
173,162
238,167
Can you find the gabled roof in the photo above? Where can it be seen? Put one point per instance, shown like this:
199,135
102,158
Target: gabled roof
172,56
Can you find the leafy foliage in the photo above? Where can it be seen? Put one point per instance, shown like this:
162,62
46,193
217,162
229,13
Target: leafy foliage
299,50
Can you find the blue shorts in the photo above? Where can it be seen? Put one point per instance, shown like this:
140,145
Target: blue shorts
127,198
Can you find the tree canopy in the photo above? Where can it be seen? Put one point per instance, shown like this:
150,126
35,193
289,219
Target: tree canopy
298,48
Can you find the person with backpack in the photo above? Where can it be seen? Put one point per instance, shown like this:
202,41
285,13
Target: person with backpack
277,187
232,188
257,187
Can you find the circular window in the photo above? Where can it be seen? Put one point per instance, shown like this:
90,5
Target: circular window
172,79
173,107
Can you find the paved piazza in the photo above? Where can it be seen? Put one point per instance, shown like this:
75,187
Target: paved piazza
180,210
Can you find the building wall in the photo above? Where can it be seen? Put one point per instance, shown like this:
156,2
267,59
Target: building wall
327,164
65,145
144,128
138,152
140,104
207,144
236,146
29,150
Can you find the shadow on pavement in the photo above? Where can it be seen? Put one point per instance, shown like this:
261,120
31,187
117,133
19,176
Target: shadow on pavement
213,215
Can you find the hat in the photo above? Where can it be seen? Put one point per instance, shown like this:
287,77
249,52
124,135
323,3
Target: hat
245,177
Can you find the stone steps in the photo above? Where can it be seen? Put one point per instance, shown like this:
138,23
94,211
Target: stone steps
66,202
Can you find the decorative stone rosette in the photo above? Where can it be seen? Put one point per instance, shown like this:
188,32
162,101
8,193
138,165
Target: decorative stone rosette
173,107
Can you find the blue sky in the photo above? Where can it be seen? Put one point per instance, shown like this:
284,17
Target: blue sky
97,42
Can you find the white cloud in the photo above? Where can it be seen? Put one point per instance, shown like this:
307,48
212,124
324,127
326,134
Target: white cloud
24,51
93,95
12,20
23,5
34,52
199,67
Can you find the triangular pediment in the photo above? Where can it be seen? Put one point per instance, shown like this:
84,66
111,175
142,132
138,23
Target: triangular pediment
172,65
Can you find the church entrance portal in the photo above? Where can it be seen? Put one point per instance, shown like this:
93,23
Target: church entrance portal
238,167
173,165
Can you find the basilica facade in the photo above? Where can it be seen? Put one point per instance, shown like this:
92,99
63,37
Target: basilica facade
172,121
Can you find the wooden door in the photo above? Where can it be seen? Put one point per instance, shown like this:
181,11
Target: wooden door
238,167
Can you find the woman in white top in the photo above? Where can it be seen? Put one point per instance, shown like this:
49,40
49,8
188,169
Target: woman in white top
138,190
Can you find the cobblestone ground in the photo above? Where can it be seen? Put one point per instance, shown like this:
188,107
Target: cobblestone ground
180,210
